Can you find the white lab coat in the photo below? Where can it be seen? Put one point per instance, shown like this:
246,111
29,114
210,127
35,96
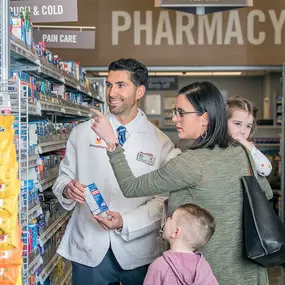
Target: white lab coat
85,241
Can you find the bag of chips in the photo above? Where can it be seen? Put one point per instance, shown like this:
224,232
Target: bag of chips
8,225
6,161
10,275
10,188
8,206
11,257
11,240
6,123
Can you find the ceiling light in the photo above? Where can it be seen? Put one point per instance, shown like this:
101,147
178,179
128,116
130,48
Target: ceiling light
169,73
228,73
198,73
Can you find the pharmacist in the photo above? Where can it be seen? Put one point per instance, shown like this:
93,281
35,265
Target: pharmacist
106,251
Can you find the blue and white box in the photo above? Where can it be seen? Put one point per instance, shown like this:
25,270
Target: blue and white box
95,200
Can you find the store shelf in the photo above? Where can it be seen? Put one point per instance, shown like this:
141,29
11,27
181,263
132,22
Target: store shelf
50,72
57,111
51,146
170,129
31,162
35,212
66,108
22,54
54,227
276,191
48,269
67,277
35,264
25,59
268,127
34,109
48,182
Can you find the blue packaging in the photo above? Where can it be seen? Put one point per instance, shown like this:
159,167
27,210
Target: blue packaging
95,200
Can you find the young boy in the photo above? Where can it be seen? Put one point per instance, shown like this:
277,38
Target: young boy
189,228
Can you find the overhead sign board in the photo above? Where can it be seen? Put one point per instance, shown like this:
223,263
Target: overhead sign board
163,83
204,3
43,11
68,39
201,7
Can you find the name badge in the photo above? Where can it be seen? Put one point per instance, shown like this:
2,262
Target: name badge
146,158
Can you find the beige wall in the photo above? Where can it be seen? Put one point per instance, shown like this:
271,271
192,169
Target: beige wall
249,87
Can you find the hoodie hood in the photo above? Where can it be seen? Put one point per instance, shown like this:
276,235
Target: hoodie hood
189,268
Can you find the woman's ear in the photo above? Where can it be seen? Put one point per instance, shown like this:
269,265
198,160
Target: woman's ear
205,119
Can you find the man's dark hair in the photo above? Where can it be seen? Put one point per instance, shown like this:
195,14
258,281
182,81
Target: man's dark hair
138,71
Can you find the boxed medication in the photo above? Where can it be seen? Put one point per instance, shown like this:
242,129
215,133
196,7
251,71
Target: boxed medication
95,201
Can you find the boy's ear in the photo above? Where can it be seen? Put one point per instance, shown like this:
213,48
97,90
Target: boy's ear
176,233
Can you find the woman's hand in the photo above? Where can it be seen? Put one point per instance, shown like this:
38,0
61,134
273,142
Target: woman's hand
102,127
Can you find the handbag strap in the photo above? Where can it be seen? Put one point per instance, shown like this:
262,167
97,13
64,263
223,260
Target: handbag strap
250,169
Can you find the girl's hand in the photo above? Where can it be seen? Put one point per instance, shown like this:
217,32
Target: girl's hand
241,139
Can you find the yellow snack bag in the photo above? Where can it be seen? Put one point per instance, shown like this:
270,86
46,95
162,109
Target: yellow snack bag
8,225
11,257
8,164
19,280
10,188
11,240
6,140
8,206
9,275
6,123
9,154
11,173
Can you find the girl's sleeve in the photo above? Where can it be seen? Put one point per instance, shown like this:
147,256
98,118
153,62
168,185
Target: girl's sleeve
262,163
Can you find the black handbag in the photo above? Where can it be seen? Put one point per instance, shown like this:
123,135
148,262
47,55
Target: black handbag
264,232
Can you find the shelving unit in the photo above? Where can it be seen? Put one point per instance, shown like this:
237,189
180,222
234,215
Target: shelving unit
39,154
282,151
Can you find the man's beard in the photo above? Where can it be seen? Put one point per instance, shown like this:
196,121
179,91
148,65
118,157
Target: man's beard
117,110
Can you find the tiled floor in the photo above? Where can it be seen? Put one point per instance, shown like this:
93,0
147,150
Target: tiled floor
277,276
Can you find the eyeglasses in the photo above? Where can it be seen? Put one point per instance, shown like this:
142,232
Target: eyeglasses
181,113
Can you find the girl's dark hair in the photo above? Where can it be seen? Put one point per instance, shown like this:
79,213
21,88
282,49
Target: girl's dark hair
206,97
238,103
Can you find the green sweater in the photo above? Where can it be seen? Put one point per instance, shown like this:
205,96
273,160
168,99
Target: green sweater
211,179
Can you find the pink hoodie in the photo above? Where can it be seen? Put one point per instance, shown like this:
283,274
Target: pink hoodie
180,268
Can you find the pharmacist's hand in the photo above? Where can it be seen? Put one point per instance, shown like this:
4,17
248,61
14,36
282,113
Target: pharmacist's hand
102,127
75,191
114,222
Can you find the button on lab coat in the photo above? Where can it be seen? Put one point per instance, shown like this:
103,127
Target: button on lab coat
86,160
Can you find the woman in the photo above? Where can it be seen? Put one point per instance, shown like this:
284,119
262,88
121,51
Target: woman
208,174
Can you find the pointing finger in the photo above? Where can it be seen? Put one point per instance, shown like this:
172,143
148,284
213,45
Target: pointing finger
98,113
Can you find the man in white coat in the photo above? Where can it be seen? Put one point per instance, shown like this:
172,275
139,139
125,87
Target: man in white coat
105,251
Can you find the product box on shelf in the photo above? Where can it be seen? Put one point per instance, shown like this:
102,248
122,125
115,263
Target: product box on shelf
21,27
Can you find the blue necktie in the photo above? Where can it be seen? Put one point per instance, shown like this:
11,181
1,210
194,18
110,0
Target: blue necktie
121,135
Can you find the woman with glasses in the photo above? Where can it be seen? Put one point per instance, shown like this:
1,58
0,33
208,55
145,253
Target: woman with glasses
208,174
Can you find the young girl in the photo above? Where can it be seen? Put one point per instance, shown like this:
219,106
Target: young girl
242,116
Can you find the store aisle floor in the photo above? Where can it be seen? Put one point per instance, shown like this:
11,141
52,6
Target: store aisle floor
277,276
